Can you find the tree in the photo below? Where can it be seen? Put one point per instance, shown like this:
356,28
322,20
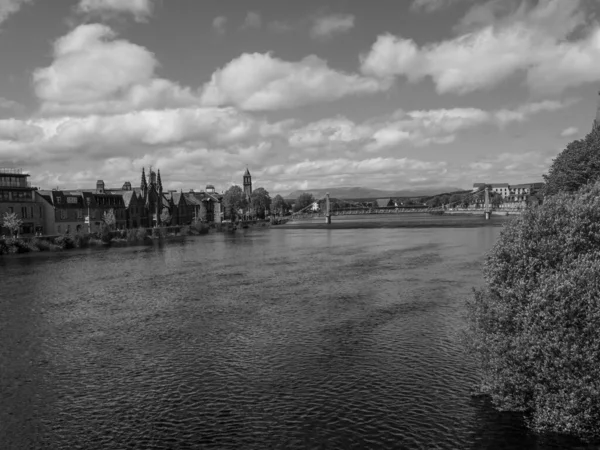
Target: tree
165,217
305,199
279,204
434,202
533,328
109,218
12,222
455,200
575,166
260,200
234,200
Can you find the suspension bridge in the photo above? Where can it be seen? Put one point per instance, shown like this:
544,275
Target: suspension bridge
327,207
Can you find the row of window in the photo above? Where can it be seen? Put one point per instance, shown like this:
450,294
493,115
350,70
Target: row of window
66,214
15,196
27,212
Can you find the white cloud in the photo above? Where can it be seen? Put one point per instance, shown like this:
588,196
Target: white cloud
416,128
535,41
327,26
93,72
219,23
280,26
9,7
570,131
259,81
140,9
252,20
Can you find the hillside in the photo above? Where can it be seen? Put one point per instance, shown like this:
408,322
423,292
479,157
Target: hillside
361,192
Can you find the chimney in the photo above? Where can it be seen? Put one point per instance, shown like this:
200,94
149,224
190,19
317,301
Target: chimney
100,187
127,186
191,191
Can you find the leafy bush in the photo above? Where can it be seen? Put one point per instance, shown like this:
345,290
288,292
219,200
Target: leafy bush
575,166
65,241
534,327
105,235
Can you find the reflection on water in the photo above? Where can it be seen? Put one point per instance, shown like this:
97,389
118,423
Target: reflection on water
260,339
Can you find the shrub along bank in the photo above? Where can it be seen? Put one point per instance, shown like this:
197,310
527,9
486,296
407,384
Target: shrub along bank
534,328
106,237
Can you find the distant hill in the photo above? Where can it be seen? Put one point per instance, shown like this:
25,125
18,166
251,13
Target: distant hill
367,193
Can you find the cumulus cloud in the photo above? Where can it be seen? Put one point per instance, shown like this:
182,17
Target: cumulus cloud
260,81
10,7
533,40
219,24
252,20
140,9
332,24
570,131
93,71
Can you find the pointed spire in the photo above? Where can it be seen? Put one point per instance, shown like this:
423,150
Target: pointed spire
159,181
247,173
144,183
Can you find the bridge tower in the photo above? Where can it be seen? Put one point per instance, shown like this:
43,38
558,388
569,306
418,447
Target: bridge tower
327,209
487,208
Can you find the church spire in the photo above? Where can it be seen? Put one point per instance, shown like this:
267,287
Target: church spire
159,181
144,183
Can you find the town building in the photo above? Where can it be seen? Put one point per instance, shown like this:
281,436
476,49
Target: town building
17,196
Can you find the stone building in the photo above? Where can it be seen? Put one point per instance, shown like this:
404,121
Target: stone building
17,196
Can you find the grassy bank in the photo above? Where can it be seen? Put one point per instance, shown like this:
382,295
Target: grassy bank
137,236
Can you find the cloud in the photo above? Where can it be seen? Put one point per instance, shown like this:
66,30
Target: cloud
415,128
93,72
327,26
432,5
252,20
259,81
280,26
570,131
140,9
10,7
219,24
536,41
8,104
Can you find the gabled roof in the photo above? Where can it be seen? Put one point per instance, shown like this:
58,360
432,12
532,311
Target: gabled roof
383,202
127,196
191,198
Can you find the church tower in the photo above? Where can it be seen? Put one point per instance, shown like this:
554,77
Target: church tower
247,183
597,120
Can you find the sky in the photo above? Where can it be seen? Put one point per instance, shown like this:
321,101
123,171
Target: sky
388,94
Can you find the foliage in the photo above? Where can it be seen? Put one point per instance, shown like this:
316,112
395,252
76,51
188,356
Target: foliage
65,241
260,200
575,166
12,222
279,205
534,327
165,217
105,235
109,218
233,201
305,199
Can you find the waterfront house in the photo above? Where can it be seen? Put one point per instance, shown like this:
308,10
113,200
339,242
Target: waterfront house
17,196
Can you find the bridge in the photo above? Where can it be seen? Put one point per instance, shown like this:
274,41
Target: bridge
340,207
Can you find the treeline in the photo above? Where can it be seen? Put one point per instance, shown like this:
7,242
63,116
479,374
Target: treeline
533,328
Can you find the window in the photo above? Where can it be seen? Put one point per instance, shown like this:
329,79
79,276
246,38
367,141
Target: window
63,214
31,212
11,209
24,212
4,197
41,215
58,200
58,229
80,214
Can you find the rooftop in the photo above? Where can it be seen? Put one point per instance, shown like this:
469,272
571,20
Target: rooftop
12,171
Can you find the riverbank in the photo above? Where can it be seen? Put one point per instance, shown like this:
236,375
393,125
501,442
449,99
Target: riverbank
399,221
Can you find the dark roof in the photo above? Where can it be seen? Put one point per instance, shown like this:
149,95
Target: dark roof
499,185
383,202
127,196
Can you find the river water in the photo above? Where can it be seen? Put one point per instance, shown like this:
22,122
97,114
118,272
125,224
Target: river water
258,339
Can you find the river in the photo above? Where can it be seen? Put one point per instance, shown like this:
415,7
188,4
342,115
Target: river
258,339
